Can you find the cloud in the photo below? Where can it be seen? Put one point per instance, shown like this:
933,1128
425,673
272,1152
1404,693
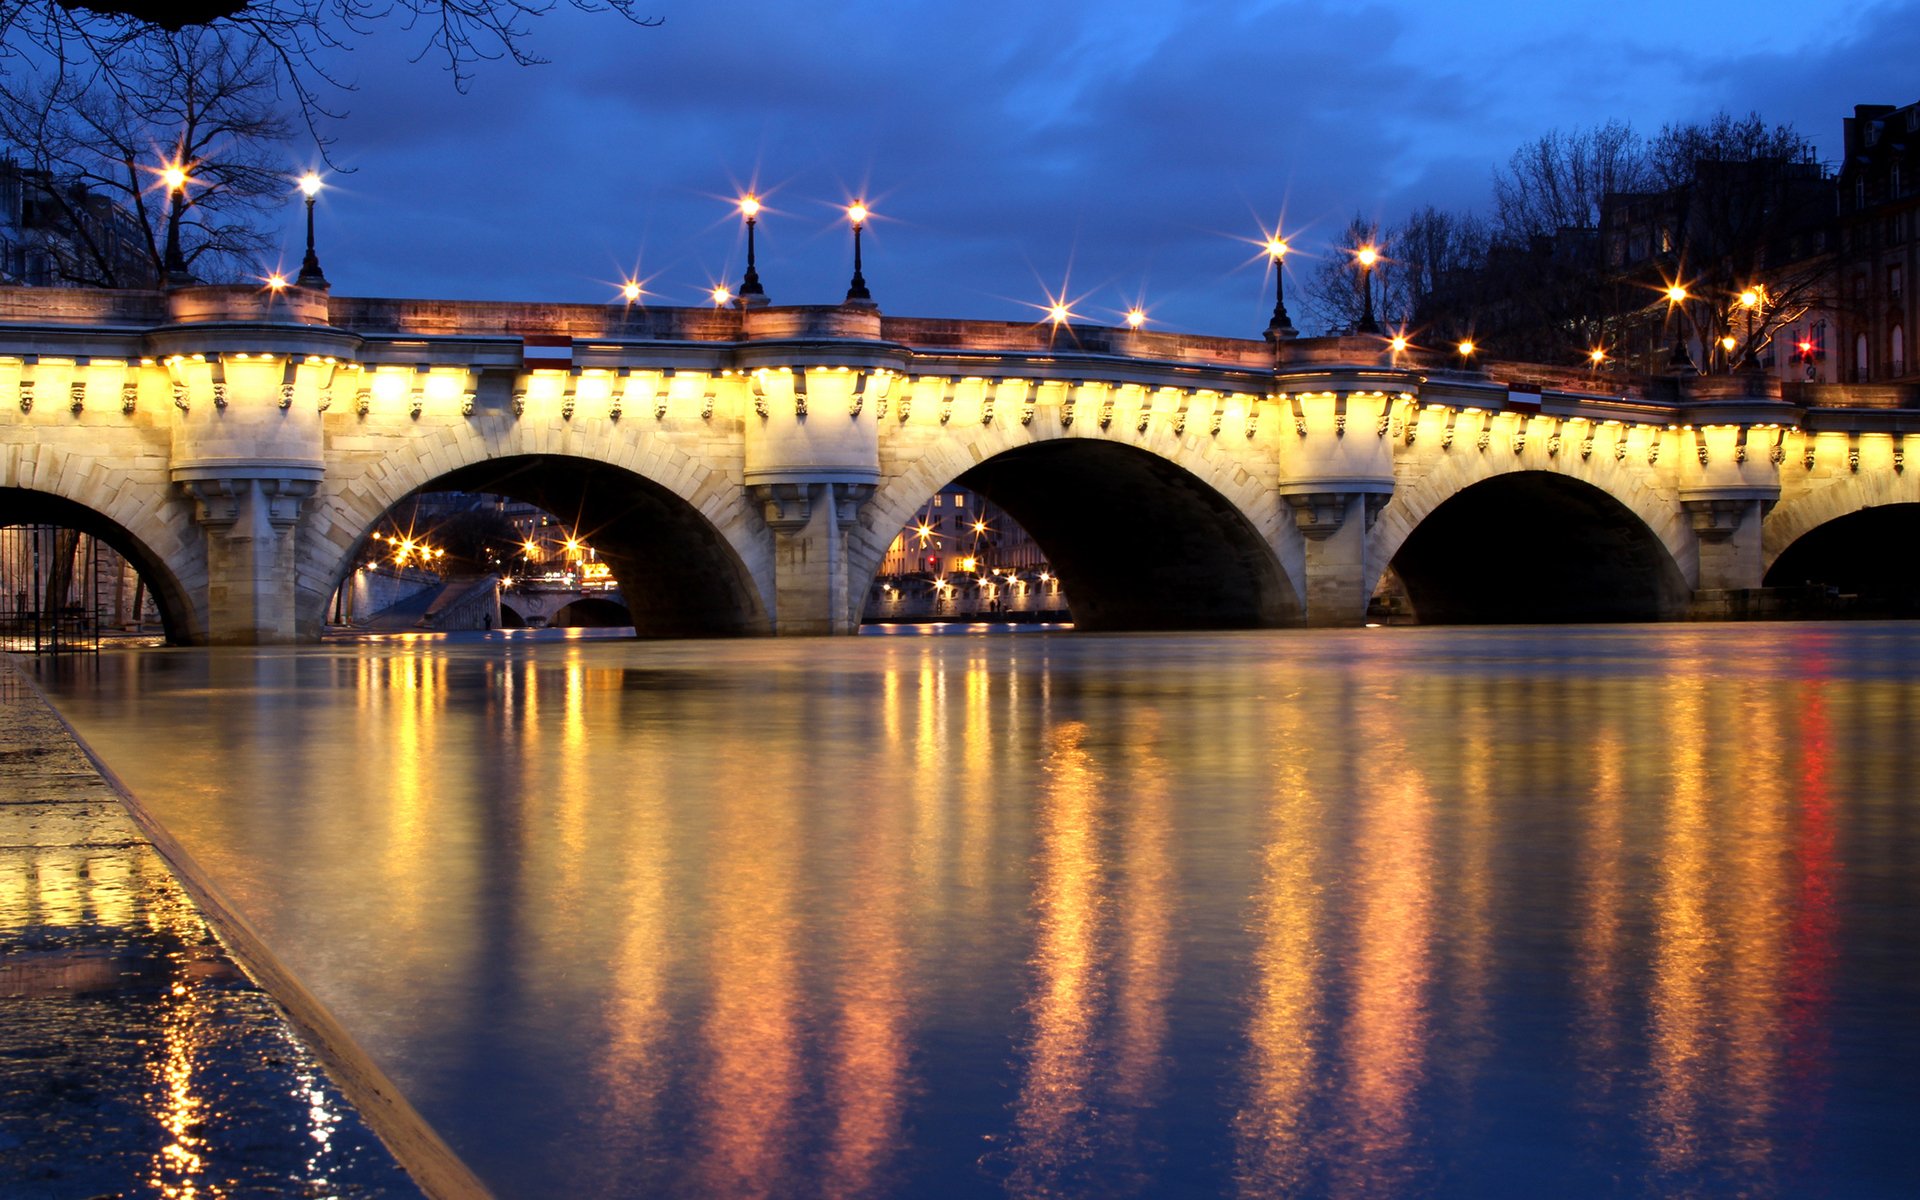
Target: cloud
1001,144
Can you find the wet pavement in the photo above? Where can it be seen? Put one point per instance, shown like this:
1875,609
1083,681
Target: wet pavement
135,1057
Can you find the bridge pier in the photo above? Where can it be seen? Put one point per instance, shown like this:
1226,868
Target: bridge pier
1335,526
813,591
250,518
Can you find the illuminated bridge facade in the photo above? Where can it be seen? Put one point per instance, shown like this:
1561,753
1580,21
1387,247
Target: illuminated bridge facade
743,471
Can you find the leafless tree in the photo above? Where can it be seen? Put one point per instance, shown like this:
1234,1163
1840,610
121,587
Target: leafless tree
1561,180
291,37
93,146
1743,194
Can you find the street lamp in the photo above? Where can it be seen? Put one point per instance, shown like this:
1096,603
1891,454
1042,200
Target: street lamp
174,176
751,293
1280,326
1366,256
857,292
1751,299
310,275
1679,362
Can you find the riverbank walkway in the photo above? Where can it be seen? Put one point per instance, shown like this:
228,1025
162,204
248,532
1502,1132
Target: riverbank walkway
136,1057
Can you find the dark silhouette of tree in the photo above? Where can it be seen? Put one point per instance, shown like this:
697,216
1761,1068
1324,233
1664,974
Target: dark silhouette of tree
290,38
94,145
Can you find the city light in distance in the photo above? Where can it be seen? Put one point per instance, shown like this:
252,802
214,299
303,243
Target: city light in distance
1465,347
1676,293
1399,343
1750,298
1596,356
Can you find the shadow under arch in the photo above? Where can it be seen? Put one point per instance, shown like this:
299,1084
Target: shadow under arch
592,612
678,575
1138,542
23,506
1537,547
1860,555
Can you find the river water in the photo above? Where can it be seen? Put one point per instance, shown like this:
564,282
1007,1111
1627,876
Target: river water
1388,912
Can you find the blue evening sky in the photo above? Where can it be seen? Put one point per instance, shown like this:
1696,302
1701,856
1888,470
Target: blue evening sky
1118,150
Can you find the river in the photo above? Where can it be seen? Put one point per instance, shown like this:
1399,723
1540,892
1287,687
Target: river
1592,911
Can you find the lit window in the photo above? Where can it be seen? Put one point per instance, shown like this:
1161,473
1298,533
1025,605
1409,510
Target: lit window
959,500
937,500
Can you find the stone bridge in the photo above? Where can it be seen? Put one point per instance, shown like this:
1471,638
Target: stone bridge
743,470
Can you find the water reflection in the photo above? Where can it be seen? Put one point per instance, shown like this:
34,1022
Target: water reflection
1352,914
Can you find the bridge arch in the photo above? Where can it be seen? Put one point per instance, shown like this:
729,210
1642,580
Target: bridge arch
1471,541
687,549
173,566
591,612
1145,531
1795,517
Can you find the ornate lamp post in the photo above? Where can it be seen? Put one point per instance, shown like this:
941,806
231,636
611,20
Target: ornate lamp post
175,177
751,293
310,275
1679,362
1366,256
1281,326
1751,299
857,292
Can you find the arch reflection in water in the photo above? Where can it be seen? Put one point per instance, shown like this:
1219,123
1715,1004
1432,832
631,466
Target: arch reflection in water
1340,913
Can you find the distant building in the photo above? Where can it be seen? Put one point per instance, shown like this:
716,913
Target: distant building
1763,221
59,233
963,557
1879,207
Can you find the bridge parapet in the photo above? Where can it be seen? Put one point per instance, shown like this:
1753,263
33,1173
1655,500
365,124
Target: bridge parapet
779,424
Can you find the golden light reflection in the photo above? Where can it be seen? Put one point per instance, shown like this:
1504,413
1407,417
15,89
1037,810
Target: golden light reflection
1684,951
178,1168
1386,1038
1273,1143
867,1071
1601,951
753,1073
1757,923
1476,827
1144,958
1054,1114
634,1072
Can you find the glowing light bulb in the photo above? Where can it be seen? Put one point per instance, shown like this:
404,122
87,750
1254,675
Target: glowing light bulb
1058,314
721,293
1136,317
750,206
1728,342
630,290
857,213
1399,344
1750,298
1465,347
1676,293
1277,248
1596,356
310,184
174,176
276,281
1367,256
